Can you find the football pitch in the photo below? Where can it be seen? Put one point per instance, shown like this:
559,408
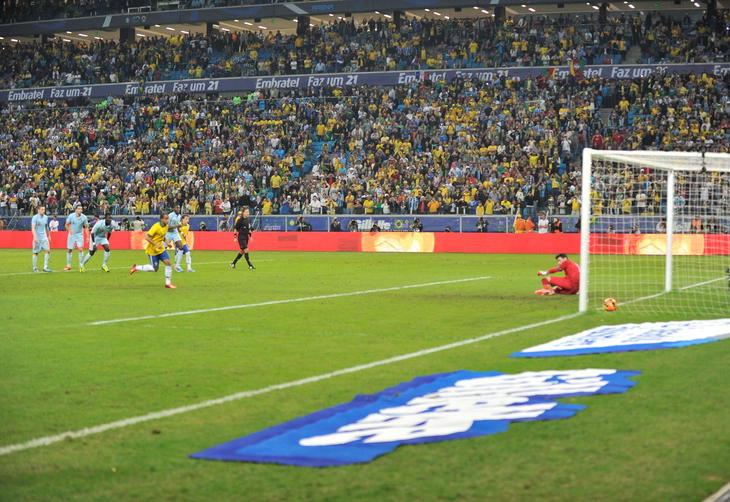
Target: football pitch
307,331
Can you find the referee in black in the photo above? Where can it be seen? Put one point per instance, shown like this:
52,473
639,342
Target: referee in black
242,231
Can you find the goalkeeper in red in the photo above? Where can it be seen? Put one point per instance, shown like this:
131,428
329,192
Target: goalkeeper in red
567,285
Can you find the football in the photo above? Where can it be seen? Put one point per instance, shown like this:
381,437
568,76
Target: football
609,305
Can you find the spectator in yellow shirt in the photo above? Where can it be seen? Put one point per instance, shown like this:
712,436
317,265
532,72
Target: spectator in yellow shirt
276,183
433,206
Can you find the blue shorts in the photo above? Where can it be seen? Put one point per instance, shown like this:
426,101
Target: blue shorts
75,241
185,249
99,241
41,245
156,259
173,236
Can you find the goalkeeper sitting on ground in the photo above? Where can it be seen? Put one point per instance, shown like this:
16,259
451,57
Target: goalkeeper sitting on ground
567,285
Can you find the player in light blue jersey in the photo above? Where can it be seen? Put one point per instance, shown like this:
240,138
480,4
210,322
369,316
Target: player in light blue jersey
76,224
100,233
173,235
39,228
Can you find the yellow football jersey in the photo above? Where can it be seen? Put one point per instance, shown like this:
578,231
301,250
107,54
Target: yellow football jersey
157,234
184,229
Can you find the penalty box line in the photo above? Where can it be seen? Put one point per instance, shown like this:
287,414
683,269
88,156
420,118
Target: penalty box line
286,300
683,288
119,424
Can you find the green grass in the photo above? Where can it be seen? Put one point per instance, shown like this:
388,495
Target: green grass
666,439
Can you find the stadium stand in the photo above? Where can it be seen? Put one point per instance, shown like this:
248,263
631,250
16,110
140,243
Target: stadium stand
665,40
371,45
465,146
15,11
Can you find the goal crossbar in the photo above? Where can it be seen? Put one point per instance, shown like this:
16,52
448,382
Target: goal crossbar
710,161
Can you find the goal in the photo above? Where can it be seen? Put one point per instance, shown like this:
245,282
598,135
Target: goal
655,231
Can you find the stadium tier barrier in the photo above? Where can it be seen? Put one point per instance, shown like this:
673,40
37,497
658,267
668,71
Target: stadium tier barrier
414,242
382,78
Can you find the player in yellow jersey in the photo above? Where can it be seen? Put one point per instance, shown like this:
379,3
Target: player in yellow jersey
155,240
185,250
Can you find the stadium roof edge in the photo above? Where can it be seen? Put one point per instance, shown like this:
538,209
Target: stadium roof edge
275,10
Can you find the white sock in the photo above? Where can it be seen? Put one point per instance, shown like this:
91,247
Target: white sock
106,257
82,260
46,257
35,261
168,274
68,258
145,268
178,257
188,260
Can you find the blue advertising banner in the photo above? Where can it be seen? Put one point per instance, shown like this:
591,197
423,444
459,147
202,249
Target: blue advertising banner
632,337
623,224
389,223
385,78
321,223
440,407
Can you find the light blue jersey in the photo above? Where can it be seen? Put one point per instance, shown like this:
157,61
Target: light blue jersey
99,233
77,223
173,225
75,239
39,225
174,220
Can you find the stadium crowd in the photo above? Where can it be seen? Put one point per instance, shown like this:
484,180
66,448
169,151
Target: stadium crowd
16,11
32,10
664,40
375,44
463,146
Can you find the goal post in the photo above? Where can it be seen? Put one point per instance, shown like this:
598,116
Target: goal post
652,225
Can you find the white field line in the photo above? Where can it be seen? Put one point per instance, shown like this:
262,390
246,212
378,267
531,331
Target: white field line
61,271
683,288
704,283
722,495
641,299
119,424
285,300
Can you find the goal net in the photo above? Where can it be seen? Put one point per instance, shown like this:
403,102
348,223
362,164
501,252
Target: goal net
655,231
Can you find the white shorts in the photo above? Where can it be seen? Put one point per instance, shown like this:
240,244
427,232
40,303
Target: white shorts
173,236
41,245
75,241
99,241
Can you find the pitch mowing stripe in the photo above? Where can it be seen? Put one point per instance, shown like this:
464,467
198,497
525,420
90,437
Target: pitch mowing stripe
287,300
75,269
119,424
